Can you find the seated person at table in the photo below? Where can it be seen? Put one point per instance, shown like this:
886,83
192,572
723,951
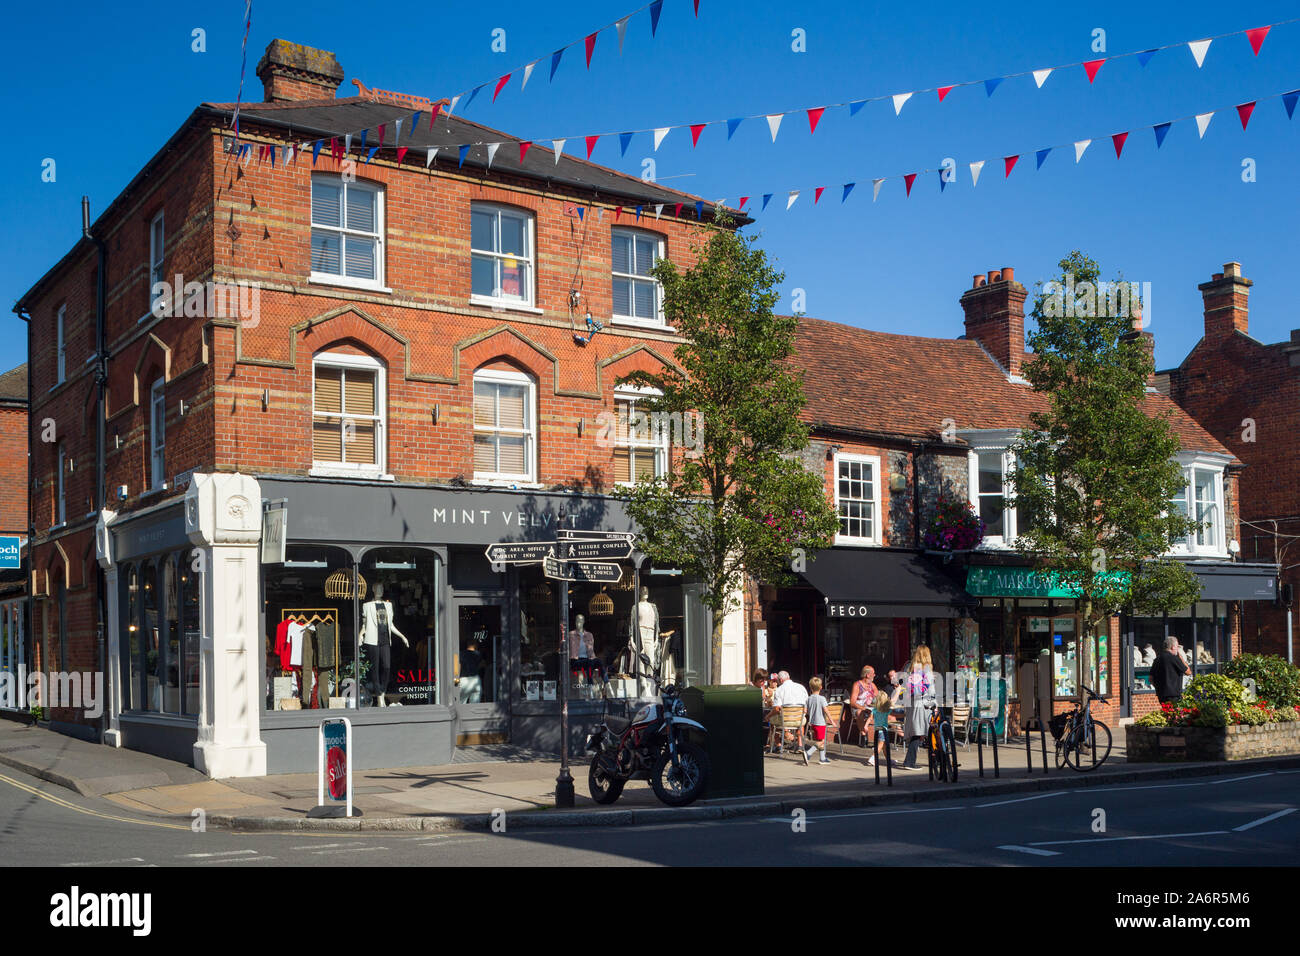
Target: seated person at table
788,693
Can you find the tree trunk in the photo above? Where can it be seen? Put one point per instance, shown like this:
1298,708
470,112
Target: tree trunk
715,649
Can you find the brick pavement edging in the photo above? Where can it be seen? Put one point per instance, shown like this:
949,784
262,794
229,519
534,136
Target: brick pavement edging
550,818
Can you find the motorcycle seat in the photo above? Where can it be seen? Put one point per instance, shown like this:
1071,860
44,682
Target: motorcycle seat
617,724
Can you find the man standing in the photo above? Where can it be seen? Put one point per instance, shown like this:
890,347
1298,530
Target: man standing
1168,670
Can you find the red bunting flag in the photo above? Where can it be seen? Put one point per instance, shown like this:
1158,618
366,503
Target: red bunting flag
501,84
817,194
335,151
1092,66
697,7
591,45
618,212
591,144
1118,139
944,91
523,150
743,200
1256,37
908,180
814,116
382,127
433,113
1009,162
1244,111
677,209
401,152
696,130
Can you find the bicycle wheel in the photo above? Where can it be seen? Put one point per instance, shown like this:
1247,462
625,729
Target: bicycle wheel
1097,743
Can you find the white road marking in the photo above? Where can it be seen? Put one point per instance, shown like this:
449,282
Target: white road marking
1151,836
129,859
1255,823
241,859
1029,849
1041,796
317,846
1235,779
861,813
197,856
354,849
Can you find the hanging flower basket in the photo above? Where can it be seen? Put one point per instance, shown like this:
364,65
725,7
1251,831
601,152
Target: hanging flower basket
955,528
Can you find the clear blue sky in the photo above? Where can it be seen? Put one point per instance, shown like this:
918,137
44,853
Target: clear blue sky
99,90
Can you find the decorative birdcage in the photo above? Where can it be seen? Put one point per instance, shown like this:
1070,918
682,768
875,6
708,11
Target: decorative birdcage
600,605
338,586
539,593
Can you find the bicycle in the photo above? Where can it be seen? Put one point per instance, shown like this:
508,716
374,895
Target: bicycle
942,745
1083,733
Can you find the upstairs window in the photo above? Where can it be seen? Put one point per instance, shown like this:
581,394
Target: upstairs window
347,415
501,247
990,486
157,434
61,372
641,443
155,258
60,505
637,296
504,428
857,499
1201,498
347,232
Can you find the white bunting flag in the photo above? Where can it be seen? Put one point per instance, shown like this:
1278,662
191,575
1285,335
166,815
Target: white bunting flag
1079,147
558,146
1040,77
528,72
659,208
452,108
794,194
774,124
899,100
492,152
621,27
1202,123
347,143
428,160
1199,48
660,134
875,188
287,155
975,169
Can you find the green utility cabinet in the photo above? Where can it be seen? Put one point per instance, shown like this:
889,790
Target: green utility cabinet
733,714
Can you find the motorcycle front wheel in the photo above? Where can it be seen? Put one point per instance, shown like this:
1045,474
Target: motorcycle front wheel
603,787
685,783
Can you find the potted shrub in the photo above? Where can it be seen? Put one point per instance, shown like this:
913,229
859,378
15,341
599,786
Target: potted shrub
954,528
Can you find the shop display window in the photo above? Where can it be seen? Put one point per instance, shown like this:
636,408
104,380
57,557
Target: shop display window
161,618
1148,639
408,581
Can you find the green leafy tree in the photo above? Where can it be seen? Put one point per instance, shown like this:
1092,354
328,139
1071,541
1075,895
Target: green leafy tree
737,500
1095,472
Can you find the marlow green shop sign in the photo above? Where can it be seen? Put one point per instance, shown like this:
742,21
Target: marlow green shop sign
1026,582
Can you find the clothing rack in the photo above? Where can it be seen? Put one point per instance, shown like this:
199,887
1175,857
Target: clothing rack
316,615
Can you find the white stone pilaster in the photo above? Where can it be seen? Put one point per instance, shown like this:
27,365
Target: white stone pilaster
112,735
223,519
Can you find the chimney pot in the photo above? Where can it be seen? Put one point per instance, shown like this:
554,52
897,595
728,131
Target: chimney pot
1217,276
994,276
1232,268
1008,274
978,281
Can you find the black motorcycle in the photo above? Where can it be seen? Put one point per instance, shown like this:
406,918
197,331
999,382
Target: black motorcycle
652,746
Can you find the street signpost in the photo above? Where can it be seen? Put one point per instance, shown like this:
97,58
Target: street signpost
574,571
574,556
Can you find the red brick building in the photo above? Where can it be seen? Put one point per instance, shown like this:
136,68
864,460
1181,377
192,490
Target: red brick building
899,421
418,353
1247,394
15,636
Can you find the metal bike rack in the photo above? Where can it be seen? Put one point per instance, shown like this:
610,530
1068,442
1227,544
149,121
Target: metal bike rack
930,750
979,740
1029,754
889,759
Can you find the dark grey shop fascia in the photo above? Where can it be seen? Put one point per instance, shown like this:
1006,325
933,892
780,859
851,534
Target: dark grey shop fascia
360,513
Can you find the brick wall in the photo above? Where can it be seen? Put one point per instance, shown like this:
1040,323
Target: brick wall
13,469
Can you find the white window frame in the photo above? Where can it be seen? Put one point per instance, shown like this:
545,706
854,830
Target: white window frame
1010,530
157,245
874,462
339,469
1217,545
623,438
157,435
61,512
61,369
658,320
529,301
504,377
331,278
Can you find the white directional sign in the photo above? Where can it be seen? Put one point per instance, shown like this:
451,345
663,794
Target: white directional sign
567,534
573,571
519,552
595,549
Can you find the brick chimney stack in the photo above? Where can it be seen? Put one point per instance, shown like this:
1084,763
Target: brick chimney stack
291,72
1226,306
995,317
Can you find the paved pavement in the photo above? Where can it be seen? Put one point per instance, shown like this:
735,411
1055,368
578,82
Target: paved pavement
483,785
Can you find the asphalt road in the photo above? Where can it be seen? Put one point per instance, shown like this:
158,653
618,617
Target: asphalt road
1245,820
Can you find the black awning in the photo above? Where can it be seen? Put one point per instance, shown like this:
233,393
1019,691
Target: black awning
878,583
1237,582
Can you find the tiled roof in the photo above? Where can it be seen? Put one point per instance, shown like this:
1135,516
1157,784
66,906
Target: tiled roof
13,384
313,119
906,385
